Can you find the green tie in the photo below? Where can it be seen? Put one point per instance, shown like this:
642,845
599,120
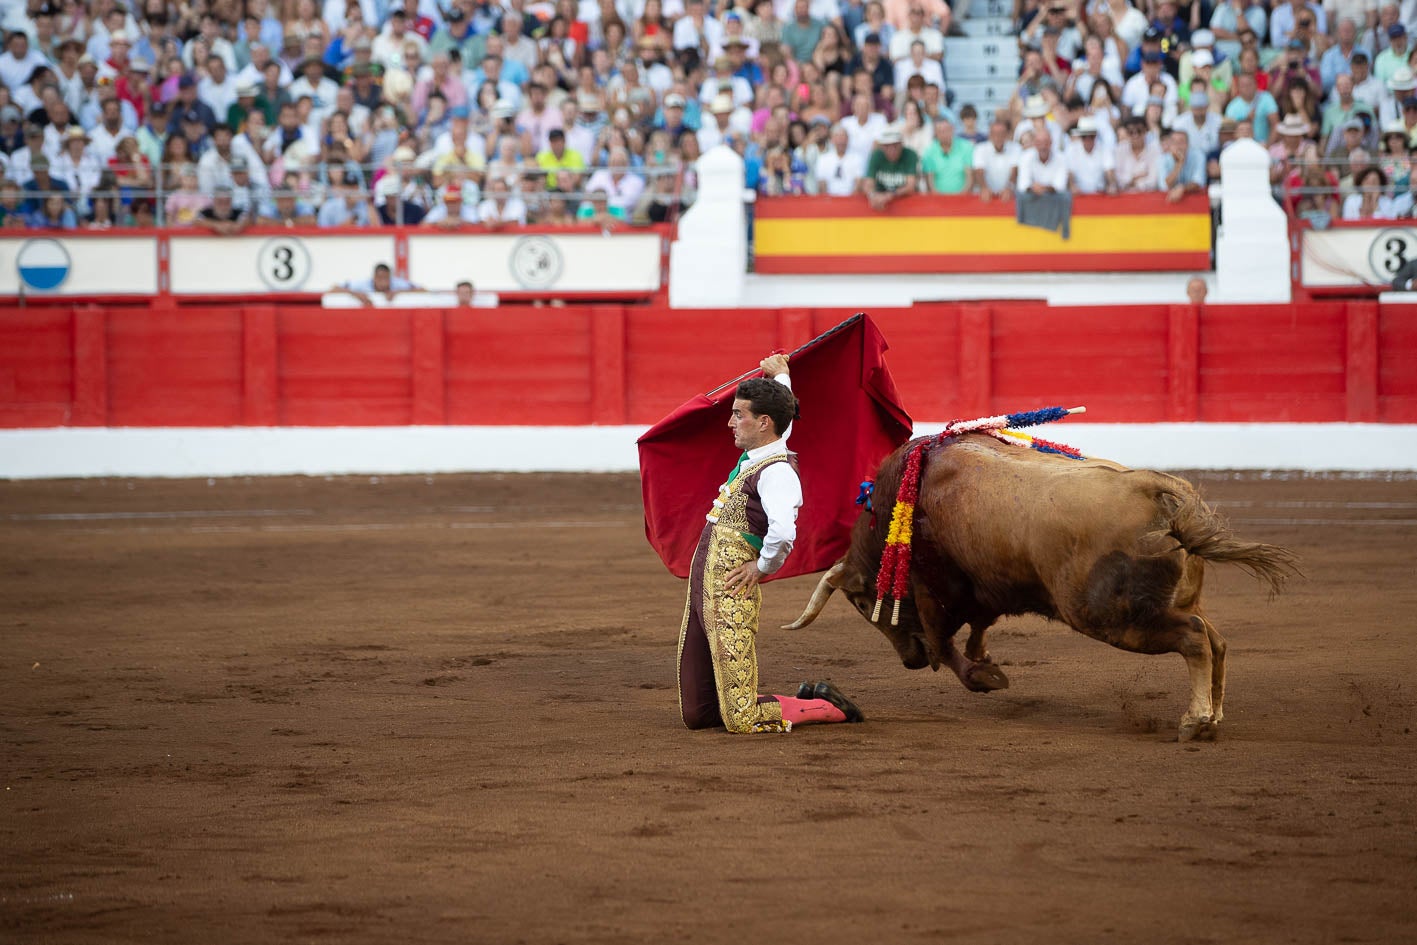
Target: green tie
734,475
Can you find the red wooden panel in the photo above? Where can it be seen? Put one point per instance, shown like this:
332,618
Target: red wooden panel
1182,363
260,376
672,355
607,338
36,367
1361,365
1397,364
924,358
345,367
518,365
429,369
175,367
1273,363
1111,360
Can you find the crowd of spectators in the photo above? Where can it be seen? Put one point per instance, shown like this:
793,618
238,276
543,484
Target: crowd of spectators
224,113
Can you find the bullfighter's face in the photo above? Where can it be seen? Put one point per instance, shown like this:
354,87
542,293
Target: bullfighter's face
750,430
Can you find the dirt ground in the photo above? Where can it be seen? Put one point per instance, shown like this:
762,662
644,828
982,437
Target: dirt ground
443,710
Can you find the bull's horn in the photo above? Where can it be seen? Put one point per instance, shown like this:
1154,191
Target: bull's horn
825,586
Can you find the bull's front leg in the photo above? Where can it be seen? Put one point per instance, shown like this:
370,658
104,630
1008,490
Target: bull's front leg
940,629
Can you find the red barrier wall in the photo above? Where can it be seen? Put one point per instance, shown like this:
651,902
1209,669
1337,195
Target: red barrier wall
267,365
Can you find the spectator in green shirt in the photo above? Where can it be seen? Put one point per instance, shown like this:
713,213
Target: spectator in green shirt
892,171
565,166
948,164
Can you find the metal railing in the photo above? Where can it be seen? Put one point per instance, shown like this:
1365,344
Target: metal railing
387,194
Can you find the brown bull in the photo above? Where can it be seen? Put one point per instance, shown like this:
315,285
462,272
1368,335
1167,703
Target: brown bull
1117,554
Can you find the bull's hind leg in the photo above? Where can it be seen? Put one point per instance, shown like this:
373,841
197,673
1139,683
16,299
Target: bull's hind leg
1186,635
1217,671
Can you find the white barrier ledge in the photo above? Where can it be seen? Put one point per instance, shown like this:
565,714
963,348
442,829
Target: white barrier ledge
73,452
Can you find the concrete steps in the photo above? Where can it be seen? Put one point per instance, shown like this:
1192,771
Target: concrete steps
982,66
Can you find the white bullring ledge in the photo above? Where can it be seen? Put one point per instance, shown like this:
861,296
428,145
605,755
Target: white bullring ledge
73,452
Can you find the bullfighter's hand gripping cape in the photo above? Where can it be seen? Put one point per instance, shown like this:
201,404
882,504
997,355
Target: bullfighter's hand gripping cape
851,419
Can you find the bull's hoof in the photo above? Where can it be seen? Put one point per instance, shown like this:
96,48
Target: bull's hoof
1201,730
985,677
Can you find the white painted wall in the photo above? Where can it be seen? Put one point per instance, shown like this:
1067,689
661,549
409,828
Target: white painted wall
239,451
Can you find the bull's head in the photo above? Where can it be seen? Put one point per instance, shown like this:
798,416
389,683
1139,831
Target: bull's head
860,590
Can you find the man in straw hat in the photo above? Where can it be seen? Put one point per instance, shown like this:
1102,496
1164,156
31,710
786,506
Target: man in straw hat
1091,167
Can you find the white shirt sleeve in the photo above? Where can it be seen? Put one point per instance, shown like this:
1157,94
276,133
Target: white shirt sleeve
780,492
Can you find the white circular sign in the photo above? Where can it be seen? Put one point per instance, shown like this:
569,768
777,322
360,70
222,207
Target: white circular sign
43,264
536,262
283,264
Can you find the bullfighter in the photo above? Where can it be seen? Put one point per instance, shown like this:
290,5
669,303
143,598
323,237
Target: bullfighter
748,534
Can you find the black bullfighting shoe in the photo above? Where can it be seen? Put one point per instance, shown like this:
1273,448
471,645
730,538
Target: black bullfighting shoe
830,693
808,690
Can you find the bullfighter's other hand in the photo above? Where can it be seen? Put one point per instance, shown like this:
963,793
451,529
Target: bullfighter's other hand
742,579
773,365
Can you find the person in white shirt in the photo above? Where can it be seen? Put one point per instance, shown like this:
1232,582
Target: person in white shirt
453,210
718,665
1040,170
863,126
996,163
916,29
1200,124
918,64
500,207
109,130
1090,166
622,188
218,89
838,167
19,60
697,30
1138,87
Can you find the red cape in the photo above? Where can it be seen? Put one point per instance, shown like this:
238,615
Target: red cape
851,419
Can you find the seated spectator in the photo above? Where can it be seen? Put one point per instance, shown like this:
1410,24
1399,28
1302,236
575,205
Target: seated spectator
344,205
596,210
1254,106
782,174
563,165
1138,159
1091,167
1370,199
53,214
1311,190
1182,169
1291,132
838,167
1040,169
1201,125
12,206
996,163
500,207
287,209
892,172
1395,156
383,284
222,217
948,162
452,211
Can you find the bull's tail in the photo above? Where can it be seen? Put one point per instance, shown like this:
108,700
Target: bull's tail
1204,533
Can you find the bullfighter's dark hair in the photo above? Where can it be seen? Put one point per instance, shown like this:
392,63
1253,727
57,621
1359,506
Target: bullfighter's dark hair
769,398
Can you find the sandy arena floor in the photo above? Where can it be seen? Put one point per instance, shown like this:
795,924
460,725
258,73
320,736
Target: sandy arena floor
443,710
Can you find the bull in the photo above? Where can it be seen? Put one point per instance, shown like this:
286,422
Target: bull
1117,554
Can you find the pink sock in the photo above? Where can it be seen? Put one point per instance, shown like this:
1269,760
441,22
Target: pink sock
805,711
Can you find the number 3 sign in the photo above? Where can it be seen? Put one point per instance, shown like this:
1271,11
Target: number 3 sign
1390,251
283,264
